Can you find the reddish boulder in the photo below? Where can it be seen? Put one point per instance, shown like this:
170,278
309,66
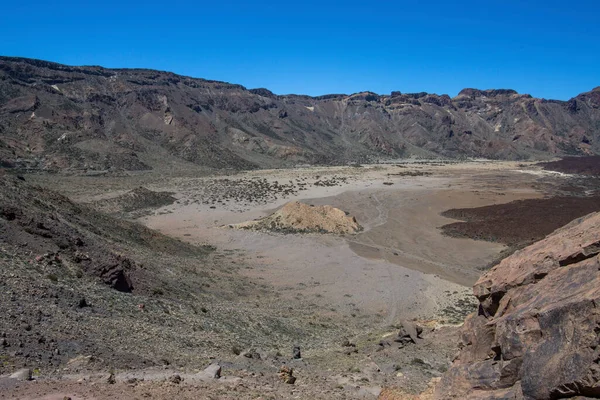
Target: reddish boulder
537,332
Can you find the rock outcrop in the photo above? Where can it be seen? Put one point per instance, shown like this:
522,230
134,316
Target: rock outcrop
136,199
297,217
537,332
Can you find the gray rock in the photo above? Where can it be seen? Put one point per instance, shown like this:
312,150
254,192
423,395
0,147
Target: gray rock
350,350
22,375
409,333
213,371
252,353
296,354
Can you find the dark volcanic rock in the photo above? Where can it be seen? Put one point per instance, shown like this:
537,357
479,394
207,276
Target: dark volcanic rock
537,332
576,165
296,355
409,333
521,222
113,272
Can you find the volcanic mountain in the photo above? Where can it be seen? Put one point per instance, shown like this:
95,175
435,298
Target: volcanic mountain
57,117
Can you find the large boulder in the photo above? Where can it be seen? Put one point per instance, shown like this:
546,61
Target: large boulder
537,332
409,333
213,371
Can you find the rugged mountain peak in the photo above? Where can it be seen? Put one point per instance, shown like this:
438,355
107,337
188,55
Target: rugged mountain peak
469,92
365,96
335,96
537,331
592,98
263,92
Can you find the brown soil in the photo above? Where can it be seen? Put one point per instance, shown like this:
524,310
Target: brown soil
575,165
520,222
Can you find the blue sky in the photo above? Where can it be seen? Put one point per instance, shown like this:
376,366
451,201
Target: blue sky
546,48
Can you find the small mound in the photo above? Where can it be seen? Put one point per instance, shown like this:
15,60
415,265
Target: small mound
137,199
297,217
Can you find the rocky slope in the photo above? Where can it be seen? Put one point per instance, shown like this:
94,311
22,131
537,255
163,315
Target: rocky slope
536,334
82,290
57,117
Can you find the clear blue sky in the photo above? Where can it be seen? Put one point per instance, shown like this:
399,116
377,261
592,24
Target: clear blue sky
547,48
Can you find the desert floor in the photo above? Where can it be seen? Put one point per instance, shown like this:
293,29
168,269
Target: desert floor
400,267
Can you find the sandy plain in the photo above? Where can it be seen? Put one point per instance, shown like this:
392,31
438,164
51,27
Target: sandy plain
400,267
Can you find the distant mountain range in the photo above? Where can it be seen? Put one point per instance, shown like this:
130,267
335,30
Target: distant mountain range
58,117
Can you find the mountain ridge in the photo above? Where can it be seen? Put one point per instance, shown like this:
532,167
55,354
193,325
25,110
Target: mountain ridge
40,62
57,117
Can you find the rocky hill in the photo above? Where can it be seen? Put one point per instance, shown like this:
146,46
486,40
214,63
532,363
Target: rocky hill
296,217
57,117
537,331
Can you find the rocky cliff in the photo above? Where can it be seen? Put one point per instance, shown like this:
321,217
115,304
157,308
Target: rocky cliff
537,332
57,117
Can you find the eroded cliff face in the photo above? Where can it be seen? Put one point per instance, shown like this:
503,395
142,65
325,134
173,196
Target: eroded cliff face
537,332
57,117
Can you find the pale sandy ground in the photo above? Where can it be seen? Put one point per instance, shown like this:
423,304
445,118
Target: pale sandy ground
400,267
